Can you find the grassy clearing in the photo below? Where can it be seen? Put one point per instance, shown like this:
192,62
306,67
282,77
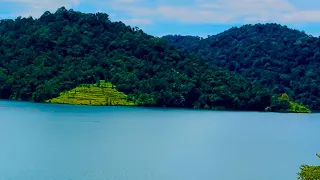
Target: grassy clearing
292,106
298,108
103,94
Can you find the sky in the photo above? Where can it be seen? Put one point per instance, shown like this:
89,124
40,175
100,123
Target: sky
186,17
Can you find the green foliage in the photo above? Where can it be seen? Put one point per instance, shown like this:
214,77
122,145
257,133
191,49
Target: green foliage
40,58
279,58
308,172
284,97
100,93
283,104
279,104
298,108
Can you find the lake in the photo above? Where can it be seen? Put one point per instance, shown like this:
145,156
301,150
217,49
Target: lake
64,142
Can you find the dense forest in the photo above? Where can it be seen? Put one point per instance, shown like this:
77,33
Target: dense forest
277,57
40,58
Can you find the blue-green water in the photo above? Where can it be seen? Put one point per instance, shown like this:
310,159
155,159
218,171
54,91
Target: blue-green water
61,142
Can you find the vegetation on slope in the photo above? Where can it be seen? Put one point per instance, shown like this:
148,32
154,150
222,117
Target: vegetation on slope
298,108
284,104
40,58
101,93
308,172
281,59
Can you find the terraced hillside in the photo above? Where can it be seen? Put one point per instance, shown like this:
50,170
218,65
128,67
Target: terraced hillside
102,93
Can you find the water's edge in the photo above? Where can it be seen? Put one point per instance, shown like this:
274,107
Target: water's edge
153,107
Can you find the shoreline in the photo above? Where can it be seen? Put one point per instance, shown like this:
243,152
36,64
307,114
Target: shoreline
153,107
177,108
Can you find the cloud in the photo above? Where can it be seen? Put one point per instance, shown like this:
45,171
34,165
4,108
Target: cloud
133,9
302,16
245,6
190,15
35,8
137,21
190,11
222,11
126,1
261,11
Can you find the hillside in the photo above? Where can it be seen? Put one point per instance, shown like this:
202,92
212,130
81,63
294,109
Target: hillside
100,94
277,57
41,58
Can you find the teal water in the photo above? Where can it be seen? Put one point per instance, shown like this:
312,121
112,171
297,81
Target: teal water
62,142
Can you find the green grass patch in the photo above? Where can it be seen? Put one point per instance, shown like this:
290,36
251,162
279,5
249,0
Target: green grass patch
100,94
298,108
285,104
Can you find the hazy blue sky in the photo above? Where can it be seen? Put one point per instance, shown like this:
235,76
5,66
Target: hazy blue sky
194,17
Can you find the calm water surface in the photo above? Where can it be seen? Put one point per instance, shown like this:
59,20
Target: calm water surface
61,142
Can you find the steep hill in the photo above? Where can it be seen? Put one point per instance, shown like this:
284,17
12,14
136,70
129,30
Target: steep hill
40,58
282,59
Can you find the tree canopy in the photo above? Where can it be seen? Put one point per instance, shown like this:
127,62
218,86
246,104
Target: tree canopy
277,57
308,172
40,58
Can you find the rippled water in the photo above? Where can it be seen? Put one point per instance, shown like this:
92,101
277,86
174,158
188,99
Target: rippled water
62,142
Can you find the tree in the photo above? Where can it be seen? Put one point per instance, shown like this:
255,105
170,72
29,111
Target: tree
284,97
309,172
281,104
98,83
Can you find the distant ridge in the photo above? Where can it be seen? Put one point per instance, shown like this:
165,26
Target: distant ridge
282,59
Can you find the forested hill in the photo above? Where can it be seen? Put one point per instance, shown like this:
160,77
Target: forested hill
40,58
282,59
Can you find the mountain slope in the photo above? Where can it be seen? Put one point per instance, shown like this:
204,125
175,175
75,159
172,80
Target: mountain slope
281,59
40,58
